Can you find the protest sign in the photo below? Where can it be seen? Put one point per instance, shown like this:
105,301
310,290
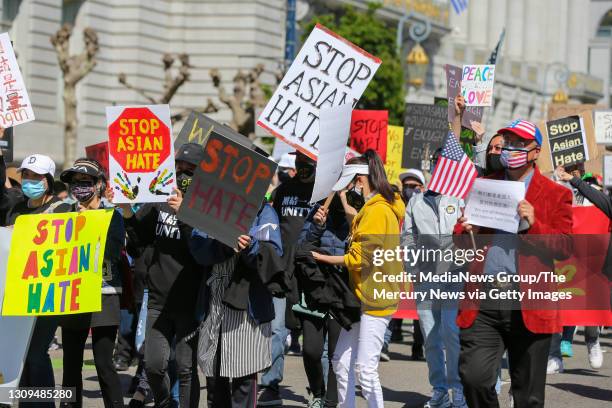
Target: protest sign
493,204
369,131
15,106
99,153
477,84
198,127
6,144
603,126
350,153
607,170
567,141
141,155
328,71
395,143
453,88
466,138
335,129
227,189
425,127
55,265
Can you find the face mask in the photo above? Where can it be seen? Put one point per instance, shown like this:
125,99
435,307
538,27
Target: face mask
283,176
33,189
408,192
494,163
354,198
305,170
82,191
183,180
514,158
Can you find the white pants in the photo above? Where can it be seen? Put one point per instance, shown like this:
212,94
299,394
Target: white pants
358,353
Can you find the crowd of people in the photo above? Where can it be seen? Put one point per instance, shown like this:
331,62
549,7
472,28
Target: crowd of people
180,300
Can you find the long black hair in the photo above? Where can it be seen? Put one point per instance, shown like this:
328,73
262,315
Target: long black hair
377,177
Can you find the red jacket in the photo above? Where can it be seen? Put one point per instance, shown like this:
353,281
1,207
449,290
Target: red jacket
553,216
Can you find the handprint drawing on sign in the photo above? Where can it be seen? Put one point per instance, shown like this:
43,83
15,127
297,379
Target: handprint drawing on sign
124,185
160,180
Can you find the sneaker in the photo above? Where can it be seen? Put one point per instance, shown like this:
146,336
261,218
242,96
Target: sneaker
316,403
384,354
269,398
54,344
459,399
121,365
566,349
555,366
295,350
595,355
439,399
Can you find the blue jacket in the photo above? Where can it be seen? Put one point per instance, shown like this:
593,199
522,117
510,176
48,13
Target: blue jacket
330,237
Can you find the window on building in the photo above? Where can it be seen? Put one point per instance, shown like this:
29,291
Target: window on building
70,9
10,9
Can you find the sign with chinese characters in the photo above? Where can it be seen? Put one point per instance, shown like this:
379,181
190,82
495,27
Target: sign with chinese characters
15,106
493,204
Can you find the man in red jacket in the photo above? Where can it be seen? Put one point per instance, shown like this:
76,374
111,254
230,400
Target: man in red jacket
524,330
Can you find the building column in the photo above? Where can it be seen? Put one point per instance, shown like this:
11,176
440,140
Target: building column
514,28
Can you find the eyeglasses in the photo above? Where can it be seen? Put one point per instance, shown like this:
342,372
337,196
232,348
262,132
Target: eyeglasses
520,143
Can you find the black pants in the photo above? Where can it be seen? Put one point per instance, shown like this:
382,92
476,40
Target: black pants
162,329
103,344
482,346
315,330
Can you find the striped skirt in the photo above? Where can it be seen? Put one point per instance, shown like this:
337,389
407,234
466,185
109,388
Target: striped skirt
245,344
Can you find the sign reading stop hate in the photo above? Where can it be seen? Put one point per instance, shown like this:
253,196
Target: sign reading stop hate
141,154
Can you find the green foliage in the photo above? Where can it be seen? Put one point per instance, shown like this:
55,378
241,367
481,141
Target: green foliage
365,29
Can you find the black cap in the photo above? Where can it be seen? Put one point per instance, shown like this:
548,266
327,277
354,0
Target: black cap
191,153
89,167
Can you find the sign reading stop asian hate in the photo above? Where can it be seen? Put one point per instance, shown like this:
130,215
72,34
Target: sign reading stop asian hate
477,84
55,264
567,141
369,131
328,71
141,154
227,189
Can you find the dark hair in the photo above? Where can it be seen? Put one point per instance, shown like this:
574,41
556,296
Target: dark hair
59,187
377,177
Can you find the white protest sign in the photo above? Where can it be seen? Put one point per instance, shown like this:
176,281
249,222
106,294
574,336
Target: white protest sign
335,131
603,126
14,101
477,84
328,71
493,204
607,171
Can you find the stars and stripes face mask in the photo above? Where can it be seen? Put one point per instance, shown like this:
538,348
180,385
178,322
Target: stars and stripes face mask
514,157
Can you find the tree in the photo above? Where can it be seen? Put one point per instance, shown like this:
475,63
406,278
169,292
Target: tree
365,29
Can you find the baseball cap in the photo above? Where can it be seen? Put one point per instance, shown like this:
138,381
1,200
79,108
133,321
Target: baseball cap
39,164
523,129
192,153
349,171
89,167
413,173
287,160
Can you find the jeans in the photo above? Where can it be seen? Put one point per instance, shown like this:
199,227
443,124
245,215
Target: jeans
273,376
162,329
357,354
441,333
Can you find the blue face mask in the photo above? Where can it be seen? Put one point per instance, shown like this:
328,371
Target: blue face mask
33,189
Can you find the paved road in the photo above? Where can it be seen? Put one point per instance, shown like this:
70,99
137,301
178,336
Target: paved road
405,382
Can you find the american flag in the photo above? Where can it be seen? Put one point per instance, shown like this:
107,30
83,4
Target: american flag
459,5
454,173
515,159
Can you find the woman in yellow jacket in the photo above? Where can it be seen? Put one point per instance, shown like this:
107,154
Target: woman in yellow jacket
375,228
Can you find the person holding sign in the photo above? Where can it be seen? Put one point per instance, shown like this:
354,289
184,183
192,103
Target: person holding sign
375,227
87,184
526,333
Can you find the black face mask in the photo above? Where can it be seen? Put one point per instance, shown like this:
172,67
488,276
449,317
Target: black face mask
408,192
283,176
82,191
493,163
355,199
305,170
183,180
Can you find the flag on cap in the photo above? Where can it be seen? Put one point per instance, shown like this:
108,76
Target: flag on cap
454,173
459,5
524,129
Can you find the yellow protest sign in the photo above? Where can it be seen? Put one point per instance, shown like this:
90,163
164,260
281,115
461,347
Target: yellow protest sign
55,264
395,144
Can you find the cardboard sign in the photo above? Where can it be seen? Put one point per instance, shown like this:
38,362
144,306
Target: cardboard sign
99,153
141,155
6,144
198,127
453,88
607,170
477,84
567,141
425,127
395,144
466,138
369,131
328,71
603,126
15,106
227,189
335,129
55,264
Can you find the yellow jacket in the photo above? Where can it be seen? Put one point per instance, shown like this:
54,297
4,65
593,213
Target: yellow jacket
375,227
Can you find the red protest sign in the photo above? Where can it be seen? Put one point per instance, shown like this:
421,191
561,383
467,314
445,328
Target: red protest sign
99,153
369,131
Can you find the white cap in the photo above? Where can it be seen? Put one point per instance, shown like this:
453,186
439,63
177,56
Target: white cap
413,173
349,171
39,164
287,161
